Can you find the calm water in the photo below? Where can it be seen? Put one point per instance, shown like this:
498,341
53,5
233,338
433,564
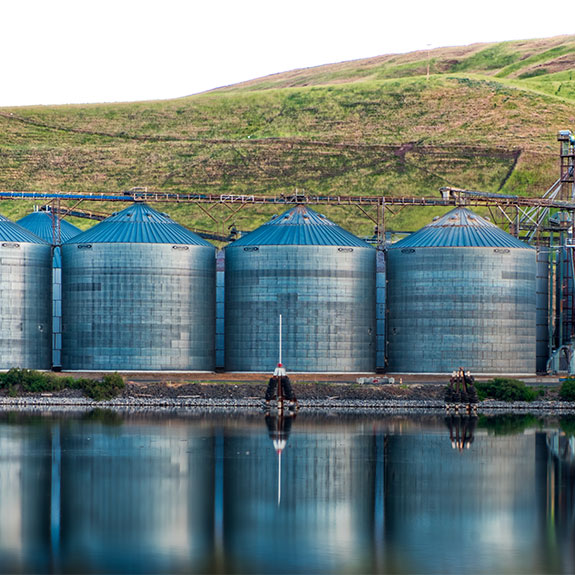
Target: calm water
105,493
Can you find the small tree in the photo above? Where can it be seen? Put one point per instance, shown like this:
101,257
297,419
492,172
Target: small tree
506,389
567,390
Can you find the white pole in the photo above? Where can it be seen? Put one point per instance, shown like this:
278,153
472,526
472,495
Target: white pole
279,477
280,338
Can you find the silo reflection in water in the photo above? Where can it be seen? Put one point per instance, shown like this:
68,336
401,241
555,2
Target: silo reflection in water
467,510
24,499
137,499
324,520
96,493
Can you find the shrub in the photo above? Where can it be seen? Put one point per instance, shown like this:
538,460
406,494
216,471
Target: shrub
567,390
30,381
506,389
108,387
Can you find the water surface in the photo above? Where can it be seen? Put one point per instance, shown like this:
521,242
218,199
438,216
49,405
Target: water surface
102,492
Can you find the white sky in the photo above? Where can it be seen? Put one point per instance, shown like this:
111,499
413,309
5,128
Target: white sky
79,51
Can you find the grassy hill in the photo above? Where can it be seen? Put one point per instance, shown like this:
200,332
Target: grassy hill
485,117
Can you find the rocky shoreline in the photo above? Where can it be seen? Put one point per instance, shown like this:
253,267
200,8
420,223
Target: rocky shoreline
404,398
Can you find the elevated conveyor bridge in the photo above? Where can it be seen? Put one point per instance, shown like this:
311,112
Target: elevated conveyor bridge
522,216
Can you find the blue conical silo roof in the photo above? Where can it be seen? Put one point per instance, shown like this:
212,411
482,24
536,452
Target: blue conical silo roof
11,232
300,226
139,224
40,223
460,228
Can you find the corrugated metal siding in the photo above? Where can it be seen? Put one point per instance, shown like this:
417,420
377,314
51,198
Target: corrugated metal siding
220,309
542,309
25,303
460,228
137,306
326,295
300,226
463,307
11,232
40,223
380,281
139,224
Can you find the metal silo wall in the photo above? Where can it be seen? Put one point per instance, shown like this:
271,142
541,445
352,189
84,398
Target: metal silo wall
220,291
380,311
462,307
25,305
326,296
138,307
542,309
57,308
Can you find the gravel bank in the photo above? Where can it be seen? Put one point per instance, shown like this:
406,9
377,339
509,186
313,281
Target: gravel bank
248,396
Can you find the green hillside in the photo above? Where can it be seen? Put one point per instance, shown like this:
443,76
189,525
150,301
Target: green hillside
485,117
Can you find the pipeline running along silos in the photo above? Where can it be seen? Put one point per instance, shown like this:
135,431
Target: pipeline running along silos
319,277
138,293
461,293
52,229
25,298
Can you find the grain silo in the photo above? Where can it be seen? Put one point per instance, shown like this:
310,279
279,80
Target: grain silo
542,309
53,230
50,227
461,293
138,293
319,277
25,298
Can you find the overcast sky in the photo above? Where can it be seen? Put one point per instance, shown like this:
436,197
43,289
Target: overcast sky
79,51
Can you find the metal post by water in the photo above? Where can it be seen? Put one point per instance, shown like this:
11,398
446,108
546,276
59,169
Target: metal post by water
280,391
280,354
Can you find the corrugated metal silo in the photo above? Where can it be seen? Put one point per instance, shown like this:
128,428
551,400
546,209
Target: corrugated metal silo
319,277
43,225
53,230
461,293
542,309
25,298
138,293
380,309
220,291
